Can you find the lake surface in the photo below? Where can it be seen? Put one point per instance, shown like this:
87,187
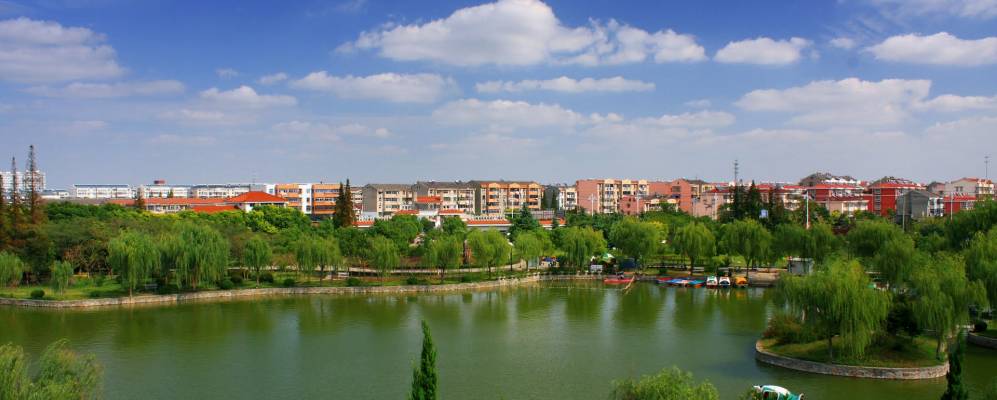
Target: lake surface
548,341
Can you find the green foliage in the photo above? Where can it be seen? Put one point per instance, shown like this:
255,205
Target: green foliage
454,226
694,241
37,294
134,256
789,240
965,225
271,219
669,384
313,252
384,255
226,284
981,265
62,274
820,242
265,277
523,222
424,376
748,239
344,214
838,300
954,389
353,281
530,246
445,252
489,248
288,282
943,297
579,244
257,255
895,260
401,229
990,393
61,374
868,237
198,254
11,269
636,239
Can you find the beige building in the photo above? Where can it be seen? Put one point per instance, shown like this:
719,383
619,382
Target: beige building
448,195
503,197
386,199
604,196
977,187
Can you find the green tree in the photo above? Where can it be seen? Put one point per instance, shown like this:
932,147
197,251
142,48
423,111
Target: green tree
788,240
636,239
749,239
280,218
838,300
820,242
36,207
62,274
313,252
454,226
488,248
344,213
61,374
943,296
424,377
695,241
134,256
895,260
445,252
669,384
530,246
257,255
869,236
954,389
579,244
523,222
201,255
11,269
981,265
383,255
401,229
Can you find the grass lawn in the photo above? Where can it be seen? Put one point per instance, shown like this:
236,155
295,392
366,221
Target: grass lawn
920,353
87,288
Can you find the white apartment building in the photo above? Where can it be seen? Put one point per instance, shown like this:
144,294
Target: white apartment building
102,192
567,198
219,190
22,179
163,190
976,187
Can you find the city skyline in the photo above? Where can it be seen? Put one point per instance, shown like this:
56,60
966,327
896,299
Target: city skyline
516,89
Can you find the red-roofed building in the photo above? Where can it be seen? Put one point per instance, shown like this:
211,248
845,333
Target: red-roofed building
244,202
882,195
954,204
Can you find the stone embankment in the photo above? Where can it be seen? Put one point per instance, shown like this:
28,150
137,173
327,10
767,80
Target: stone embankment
982,341
767,357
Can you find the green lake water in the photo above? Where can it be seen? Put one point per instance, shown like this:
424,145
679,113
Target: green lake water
547,341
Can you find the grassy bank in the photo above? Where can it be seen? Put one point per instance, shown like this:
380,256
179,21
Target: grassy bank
899,354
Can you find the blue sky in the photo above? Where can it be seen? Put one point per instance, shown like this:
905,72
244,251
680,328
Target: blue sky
233,91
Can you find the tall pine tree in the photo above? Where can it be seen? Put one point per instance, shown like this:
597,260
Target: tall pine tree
35,208
344,214
956,390
424,375
139,200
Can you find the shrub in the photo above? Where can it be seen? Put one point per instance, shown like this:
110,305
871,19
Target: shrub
354,281
95,294
289,282
466,279
266,277
99,280
226,284
980,326
236,280
785,328
168,289
37,294
413,281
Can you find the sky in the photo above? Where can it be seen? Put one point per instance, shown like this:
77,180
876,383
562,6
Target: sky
219,91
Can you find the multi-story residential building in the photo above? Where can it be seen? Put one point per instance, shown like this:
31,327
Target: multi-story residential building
824,178
298,195
954,204
883,194
977,187
220,190
386,199
315,199
567,197
55,194
709,204
111,191
603,195
918,204
504,197
245,202
448,195
23,181
936,187
160,189
841,193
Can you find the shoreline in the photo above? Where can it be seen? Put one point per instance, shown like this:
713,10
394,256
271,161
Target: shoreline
767,357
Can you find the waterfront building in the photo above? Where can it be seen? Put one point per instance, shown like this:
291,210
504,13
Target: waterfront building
220,190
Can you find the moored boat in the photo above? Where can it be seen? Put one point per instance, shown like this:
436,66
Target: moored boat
694,283
772,392
724,282
712,282
618,280
741,282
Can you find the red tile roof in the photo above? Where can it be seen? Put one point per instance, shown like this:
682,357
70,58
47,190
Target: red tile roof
451,211
210,209
255,197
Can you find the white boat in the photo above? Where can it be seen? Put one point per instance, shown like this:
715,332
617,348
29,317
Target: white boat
711,281
724,282
772,392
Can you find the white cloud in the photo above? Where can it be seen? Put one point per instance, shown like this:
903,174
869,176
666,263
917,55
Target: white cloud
34,51
523,32
272,78
701,119
939,49
226,73
762,51
846,102
567,85
203,117
173,139
699,103
400,88
245,96
81,90
843,43
954,103
981,9
505,114
322,131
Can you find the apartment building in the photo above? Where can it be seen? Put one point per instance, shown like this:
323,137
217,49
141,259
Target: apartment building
977,187
111,191
603,196
504,197
446,195
245,202
825,178
161,190
882,194
315,199
22,178
567,197
386,199
919,204
220,190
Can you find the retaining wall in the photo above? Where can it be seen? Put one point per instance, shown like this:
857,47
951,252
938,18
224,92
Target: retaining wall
847,370
982,341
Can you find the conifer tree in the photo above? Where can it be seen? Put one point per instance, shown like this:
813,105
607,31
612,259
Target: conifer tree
344,215
34,192
424,378
956,390
139,200
14,209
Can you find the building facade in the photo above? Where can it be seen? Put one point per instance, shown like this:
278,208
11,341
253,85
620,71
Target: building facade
977,187
447,195
504,197
23,180
102,192
919,204
220,190
160,189
882,194
603,196
386,199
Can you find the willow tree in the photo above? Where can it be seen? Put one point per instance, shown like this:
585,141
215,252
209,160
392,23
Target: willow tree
257,255
838,300
313,252
636,239
383,255
748,239
201,255
488,248
695,241
11,269
981,264
445,252
895,260
530,247
134,256
943,296
60,374
62,275
820,242
670,383
579,244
